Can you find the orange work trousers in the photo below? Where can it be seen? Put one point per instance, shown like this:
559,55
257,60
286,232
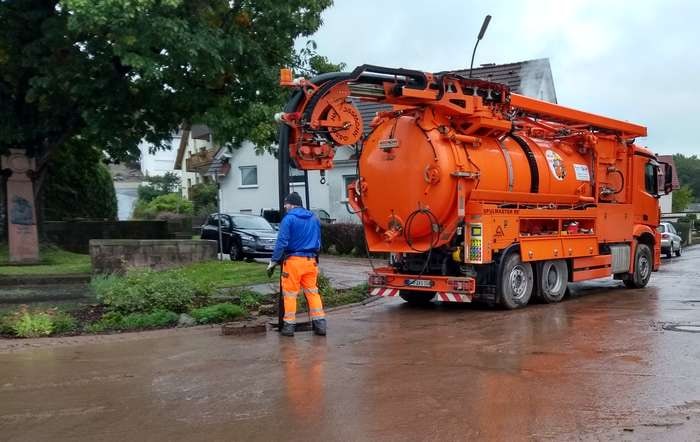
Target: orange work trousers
300,273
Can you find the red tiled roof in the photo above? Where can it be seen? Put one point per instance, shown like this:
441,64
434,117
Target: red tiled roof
669,160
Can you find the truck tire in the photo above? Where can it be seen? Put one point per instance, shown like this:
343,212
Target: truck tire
552,280
642,268
516,283
414,297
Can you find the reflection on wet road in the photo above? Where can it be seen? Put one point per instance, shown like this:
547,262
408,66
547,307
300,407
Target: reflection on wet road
608,363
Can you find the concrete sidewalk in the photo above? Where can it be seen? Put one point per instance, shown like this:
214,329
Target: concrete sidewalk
344,273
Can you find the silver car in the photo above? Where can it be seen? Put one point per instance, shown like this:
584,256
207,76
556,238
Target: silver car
670,241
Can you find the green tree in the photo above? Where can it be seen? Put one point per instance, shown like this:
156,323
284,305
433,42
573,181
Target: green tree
681,198
688,170
78,185
158,185
203,196
111,73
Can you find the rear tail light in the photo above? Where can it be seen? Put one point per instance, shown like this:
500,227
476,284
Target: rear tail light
461,285
665,235
377,280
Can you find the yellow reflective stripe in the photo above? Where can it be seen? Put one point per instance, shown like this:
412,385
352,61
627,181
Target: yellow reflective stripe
310,290
287,294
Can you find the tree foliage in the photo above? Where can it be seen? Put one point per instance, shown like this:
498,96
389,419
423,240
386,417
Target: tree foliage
688,169
78,185
114,72
203,197
680,198
157,186
172,203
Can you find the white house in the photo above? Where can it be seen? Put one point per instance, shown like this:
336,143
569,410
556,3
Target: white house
251,185
193,147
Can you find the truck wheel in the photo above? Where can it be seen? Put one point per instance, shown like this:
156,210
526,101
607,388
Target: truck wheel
642,268
415,297
552,279
516,282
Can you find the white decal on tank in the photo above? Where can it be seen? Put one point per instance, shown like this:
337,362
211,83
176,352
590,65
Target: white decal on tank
581,171
556,164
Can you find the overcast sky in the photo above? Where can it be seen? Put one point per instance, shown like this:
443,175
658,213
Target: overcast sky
632,60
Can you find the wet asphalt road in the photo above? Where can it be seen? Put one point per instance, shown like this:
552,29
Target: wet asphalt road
607,364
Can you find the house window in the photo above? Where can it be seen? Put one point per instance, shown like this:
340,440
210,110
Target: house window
249,176
296,177
348,180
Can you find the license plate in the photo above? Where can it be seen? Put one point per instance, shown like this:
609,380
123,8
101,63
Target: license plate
419,283
269,247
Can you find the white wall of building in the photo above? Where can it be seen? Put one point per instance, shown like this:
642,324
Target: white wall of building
665,202
162,161
237,197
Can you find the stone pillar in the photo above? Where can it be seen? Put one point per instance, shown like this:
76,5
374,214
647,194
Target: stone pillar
21,213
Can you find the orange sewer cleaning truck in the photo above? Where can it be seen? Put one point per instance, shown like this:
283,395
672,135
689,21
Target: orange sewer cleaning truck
480,193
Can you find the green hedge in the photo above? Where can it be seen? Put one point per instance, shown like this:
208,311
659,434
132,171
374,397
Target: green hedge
343,237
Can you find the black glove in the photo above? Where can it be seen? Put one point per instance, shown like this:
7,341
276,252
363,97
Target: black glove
271,268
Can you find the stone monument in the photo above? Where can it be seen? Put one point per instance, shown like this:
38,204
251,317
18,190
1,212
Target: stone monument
21,212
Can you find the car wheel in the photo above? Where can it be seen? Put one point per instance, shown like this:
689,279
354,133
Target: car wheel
642,268
236,253
517,281
678,252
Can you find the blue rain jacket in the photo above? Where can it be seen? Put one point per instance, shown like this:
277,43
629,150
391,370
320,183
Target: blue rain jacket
299,235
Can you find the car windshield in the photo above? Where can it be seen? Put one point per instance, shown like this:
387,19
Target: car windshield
661,228
251,223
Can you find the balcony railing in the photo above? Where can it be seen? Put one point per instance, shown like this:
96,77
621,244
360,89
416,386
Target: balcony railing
200,161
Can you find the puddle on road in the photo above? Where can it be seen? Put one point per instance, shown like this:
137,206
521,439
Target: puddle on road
687,328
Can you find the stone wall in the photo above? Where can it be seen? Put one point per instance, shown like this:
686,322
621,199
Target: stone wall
117,256
76,235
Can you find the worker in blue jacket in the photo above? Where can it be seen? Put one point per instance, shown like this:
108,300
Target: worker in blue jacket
298,244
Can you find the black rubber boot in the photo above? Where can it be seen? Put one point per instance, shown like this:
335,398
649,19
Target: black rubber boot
287,329
319,326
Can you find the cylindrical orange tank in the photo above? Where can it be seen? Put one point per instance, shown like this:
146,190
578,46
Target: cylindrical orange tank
409,176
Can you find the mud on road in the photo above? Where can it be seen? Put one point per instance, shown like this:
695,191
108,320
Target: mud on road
609,363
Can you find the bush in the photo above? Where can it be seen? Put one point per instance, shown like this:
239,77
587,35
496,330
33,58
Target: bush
326,237
158,186
217,313
32,325
172,202
147,291
358,239
63,323
249,300
203,197
133,321
342,236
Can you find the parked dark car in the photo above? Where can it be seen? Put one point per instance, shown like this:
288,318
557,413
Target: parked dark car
243,236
